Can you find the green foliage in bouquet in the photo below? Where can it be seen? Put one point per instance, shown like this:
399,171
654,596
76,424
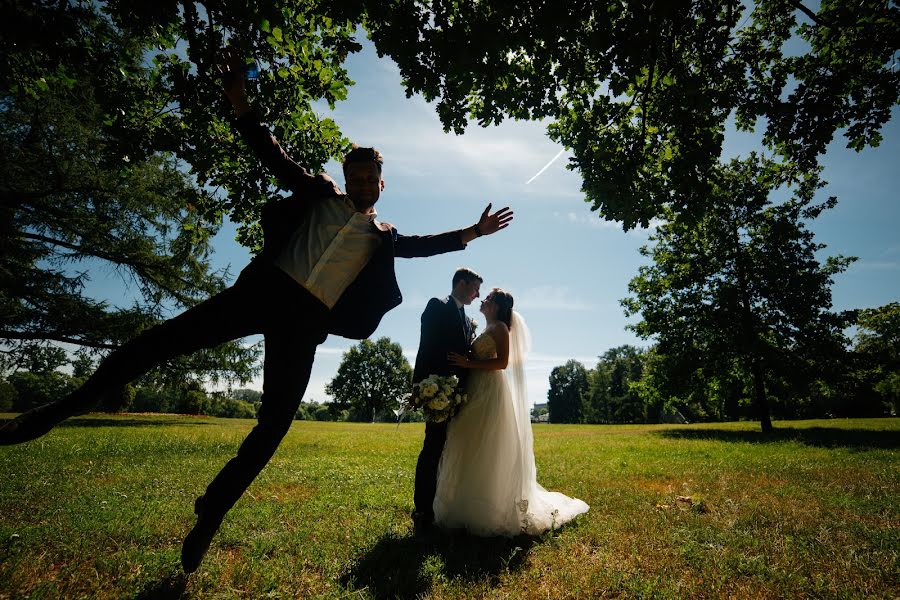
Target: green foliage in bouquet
438,397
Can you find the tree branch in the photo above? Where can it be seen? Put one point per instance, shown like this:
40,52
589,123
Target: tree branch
799,6
142,269
41,238
56,337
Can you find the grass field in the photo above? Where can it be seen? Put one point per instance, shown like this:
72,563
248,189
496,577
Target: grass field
99,507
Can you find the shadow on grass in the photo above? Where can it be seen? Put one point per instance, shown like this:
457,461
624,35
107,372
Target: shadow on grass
404,567
823,437
125,422
171,586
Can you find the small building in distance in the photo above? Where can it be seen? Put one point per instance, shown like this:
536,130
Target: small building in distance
540,413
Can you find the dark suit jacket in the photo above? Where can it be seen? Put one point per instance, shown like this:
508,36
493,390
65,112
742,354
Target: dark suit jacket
374,291
442,332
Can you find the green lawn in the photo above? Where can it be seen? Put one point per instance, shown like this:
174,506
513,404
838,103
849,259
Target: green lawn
99,507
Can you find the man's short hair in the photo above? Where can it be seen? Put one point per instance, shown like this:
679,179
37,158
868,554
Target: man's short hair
466,275
360,154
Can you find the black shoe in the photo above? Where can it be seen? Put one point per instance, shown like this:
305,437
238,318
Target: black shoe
197,541
36,422
423,526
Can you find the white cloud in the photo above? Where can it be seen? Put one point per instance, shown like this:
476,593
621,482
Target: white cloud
330,351
878,265
591,219
538,361
551,297
415,144
537,373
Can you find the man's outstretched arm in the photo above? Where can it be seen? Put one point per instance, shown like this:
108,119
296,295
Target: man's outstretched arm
411,246
290,175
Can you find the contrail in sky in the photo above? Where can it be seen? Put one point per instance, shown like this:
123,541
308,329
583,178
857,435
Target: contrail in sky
552,160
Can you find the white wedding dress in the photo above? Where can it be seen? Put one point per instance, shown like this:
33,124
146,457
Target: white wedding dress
487,480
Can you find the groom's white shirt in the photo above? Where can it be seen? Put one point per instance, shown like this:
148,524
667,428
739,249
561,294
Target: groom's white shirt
327,252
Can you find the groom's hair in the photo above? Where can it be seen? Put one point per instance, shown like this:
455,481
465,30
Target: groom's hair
360,154
467,275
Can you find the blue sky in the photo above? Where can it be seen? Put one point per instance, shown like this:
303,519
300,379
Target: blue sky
565,267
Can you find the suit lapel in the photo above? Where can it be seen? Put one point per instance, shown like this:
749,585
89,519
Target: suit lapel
451,303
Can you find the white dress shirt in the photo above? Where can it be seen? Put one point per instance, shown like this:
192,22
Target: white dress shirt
328,250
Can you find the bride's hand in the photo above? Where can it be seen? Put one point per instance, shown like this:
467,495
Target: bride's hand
458,360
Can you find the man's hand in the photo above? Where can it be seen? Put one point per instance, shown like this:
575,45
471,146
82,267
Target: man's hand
488,223
458,360
230,69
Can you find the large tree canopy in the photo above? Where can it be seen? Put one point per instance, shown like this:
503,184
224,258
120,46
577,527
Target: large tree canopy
153,61
742,287
81,189
641,91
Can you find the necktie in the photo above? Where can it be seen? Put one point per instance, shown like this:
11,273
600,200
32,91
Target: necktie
465,321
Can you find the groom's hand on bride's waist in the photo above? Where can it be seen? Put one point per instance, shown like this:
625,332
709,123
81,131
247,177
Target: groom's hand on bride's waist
458,360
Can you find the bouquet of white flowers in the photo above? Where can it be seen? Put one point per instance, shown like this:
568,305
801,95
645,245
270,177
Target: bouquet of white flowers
438,397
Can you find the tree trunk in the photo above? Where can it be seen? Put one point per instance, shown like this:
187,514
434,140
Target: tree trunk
751,338
759,395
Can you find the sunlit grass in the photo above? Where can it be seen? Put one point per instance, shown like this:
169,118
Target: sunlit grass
99,507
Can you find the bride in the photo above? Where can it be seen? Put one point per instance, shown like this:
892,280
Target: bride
487,480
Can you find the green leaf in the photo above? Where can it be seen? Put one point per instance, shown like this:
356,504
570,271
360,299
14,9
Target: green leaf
276,33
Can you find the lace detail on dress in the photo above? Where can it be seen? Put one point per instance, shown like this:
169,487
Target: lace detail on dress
484,346
524,518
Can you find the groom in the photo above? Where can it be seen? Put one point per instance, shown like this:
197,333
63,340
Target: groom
327,266
445,329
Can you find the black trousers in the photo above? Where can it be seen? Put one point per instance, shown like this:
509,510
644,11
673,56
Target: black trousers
427,469
263,300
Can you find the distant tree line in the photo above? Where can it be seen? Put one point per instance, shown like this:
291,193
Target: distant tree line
39,379
372,380
627,384
635,385
737,304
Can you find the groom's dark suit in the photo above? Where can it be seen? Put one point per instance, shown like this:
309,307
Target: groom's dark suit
266,300
445,329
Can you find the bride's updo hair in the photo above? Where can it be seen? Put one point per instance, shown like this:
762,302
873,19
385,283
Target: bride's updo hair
504,302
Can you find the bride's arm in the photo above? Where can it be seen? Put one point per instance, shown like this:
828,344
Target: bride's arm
501,339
